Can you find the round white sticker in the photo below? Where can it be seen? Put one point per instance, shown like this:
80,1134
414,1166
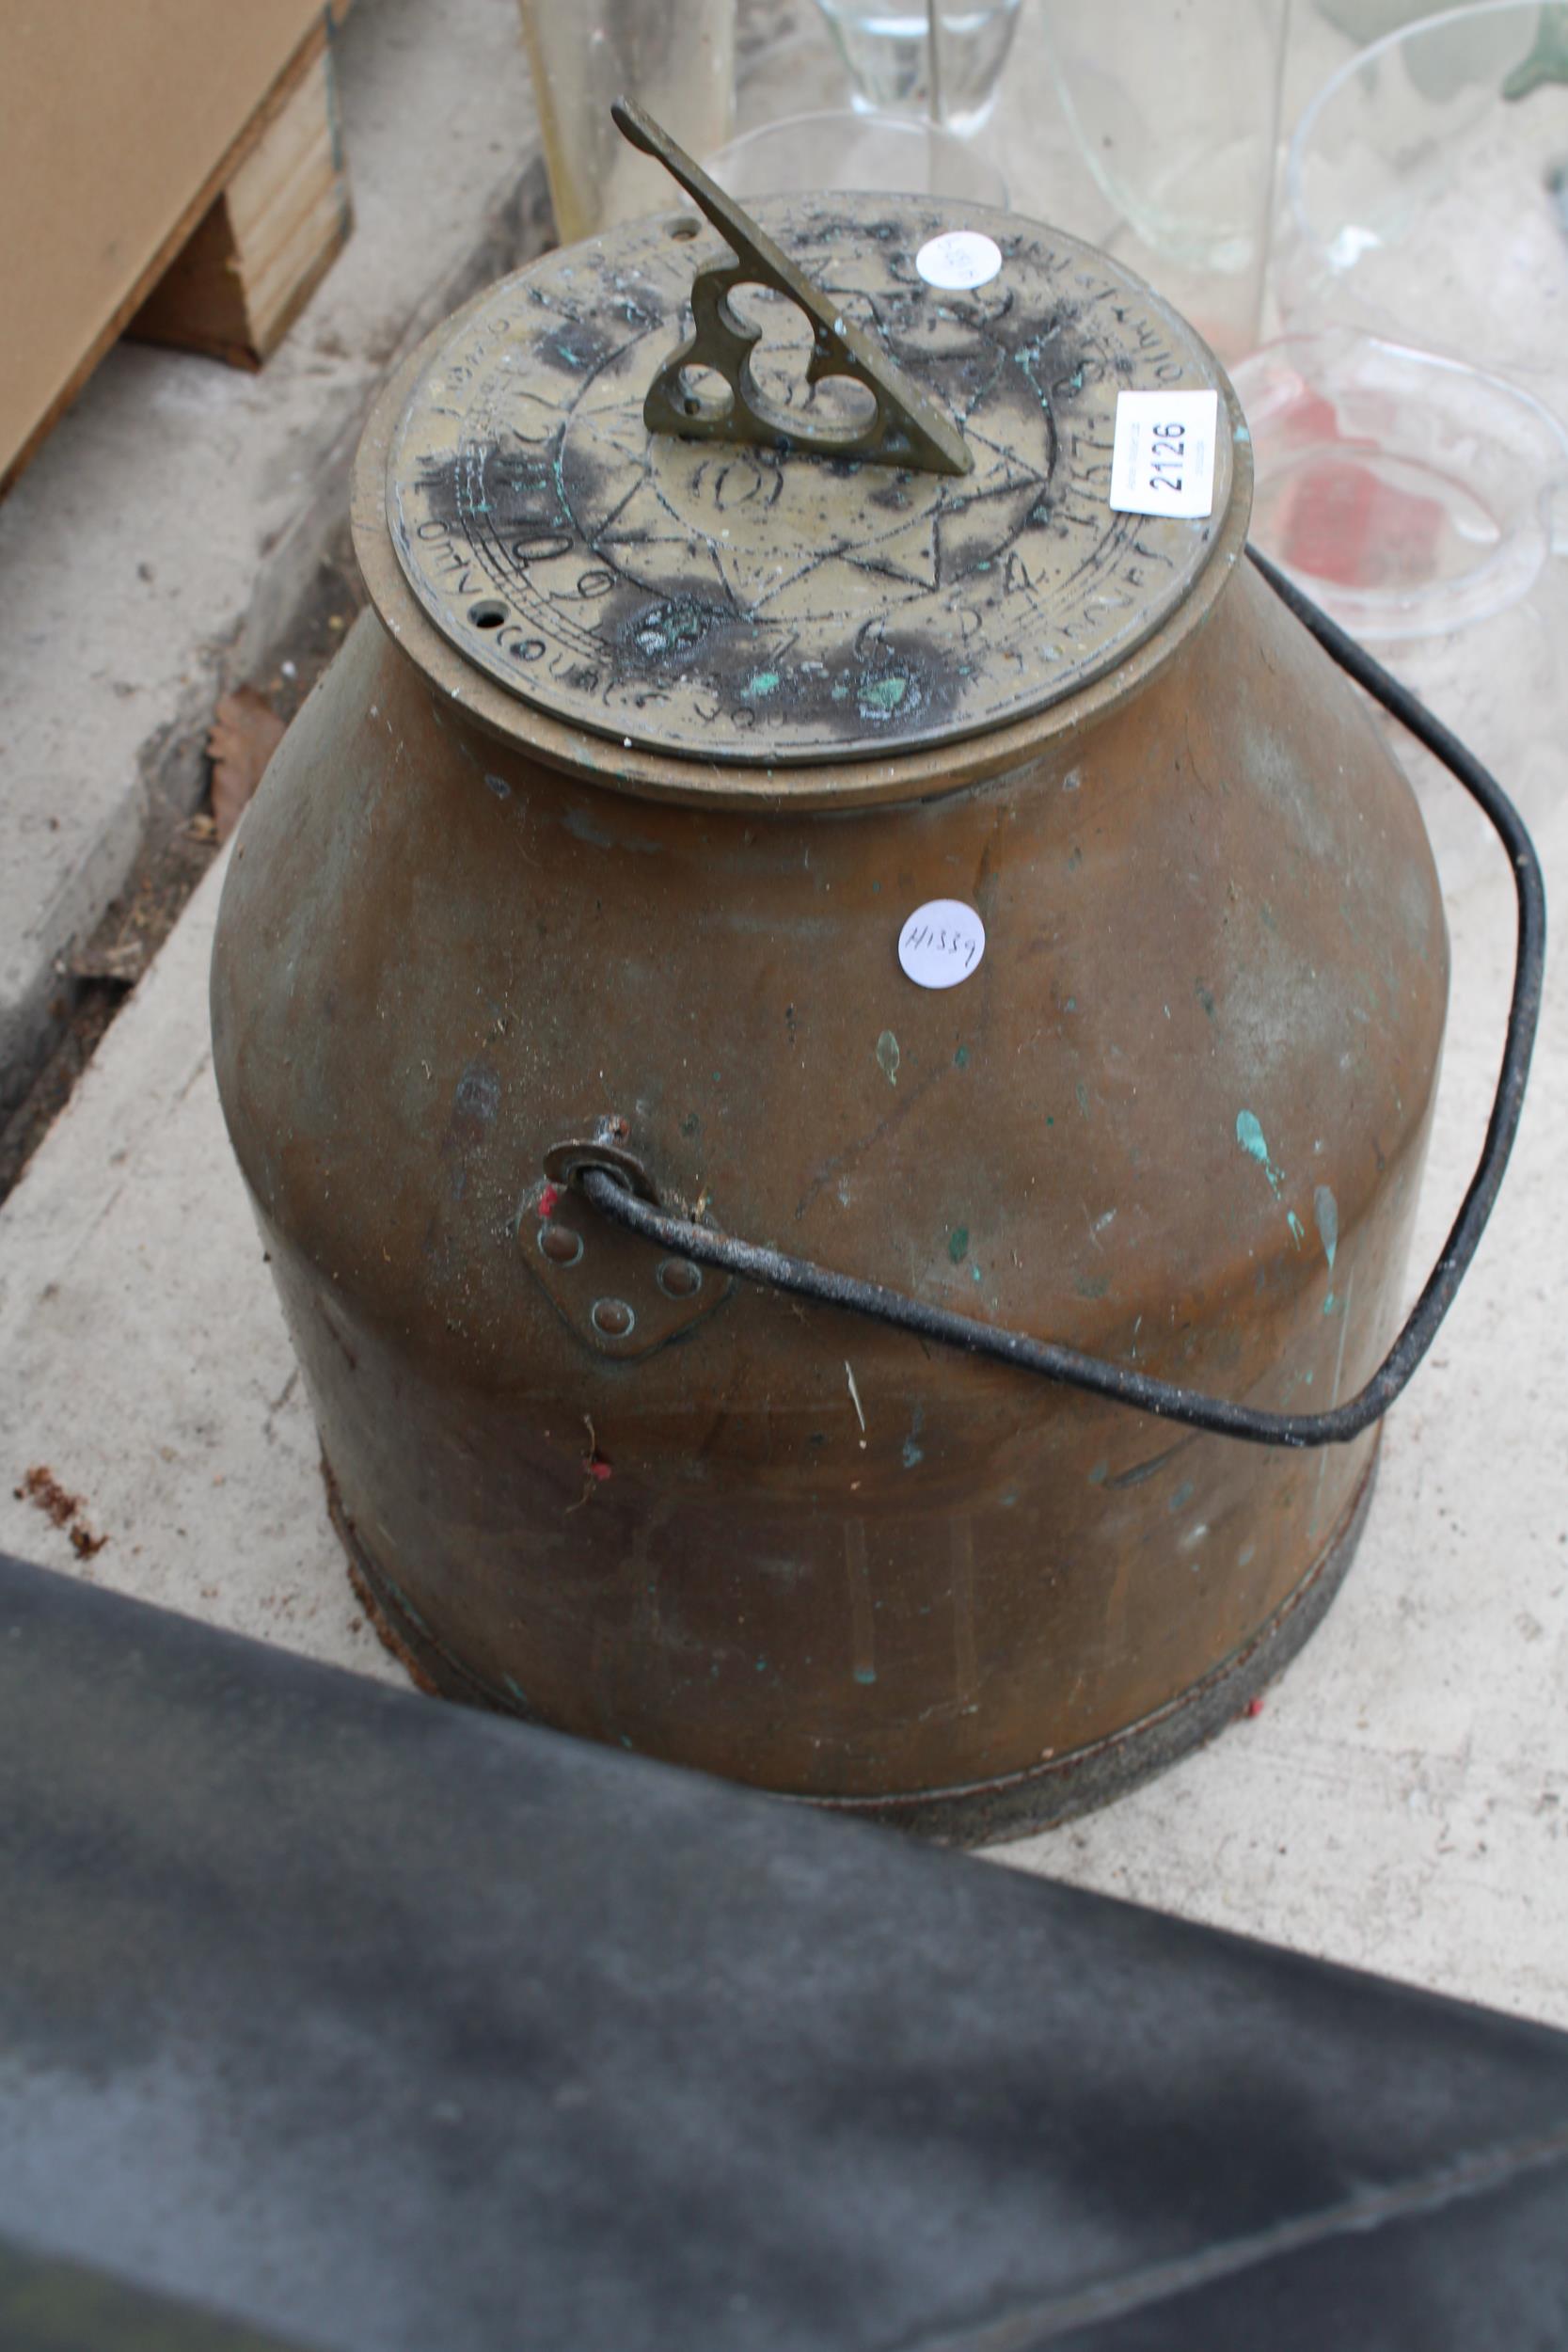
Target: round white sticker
961,258
941,944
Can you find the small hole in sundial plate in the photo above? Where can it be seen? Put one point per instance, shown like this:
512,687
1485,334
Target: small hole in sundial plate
488,613
684,230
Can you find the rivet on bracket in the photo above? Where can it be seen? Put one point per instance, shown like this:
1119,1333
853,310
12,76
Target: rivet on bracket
621,1297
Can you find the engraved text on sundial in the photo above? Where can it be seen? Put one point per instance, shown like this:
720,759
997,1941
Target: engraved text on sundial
744,603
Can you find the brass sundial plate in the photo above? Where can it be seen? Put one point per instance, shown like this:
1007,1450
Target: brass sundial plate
741,603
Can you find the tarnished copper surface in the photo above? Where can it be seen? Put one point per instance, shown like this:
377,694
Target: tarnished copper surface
1179,1112
746,605
1039,1796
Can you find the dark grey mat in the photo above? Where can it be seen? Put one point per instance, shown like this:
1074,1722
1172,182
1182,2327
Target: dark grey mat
371,2022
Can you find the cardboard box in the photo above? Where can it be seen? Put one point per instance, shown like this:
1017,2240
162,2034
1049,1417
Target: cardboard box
121,122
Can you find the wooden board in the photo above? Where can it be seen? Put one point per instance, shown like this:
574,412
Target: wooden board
119,126
264,244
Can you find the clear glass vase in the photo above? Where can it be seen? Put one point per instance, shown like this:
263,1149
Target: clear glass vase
675,58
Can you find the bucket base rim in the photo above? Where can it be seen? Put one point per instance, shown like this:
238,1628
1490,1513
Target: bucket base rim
975,1813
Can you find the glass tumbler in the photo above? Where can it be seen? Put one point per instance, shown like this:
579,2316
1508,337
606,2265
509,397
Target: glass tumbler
1175,113
942,58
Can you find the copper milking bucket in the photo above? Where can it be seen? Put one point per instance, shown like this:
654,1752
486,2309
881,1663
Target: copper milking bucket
776,793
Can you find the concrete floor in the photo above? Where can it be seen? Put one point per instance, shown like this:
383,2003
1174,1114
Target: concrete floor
1399,1803
155,548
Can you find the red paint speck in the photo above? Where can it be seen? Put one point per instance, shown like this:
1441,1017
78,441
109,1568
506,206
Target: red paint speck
547,1199
1254,1706
596,1467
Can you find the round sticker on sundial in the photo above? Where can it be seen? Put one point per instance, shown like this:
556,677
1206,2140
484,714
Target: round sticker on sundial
941,944
959,259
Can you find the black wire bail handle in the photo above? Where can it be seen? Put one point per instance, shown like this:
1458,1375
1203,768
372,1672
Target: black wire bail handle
609,1190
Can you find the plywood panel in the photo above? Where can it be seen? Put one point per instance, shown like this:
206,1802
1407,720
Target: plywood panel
117,122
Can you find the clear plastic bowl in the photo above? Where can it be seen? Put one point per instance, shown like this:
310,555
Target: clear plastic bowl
841,150
1426,193
1410,495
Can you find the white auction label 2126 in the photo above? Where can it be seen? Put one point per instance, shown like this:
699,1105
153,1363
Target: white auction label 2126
1162,460
941,944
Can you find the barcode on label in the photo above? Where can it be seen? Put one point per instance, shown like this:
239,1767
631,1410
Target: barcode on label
1163,462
